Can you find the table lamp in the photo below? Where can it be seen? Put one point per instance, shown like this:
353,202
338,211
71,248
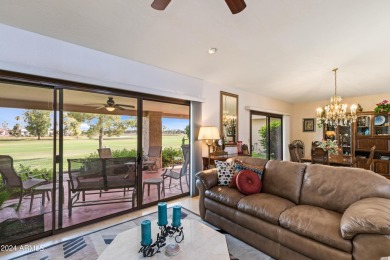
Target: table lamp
208,133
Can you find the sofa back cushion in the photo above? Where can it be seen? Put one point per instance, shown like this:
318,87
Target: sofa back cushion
336,188
248,160
283,179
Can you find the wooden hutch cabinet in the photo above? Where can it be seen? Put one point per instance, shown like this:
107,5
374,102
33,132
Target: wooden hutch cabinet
373,129
344,137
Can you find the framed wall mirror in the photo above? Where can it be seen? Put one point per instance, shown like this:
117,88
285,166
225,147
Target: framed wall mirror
229,118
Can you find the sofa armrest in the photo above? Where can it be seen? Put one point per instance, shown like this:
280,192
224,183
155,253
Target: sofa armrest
369,216
205,180
208,178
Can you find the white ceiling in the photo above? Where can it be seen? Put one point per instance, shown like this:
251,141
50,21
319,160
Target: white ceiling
285,49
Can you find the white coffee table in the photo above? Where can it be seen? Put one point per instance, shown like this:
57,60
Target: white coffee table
200,242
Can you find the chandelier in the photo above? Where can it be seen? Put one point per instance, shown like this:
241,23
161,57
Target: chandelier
335,113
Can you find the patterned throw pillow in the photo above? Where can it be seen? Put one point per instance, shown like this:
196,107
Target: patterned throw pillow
225,172
239,166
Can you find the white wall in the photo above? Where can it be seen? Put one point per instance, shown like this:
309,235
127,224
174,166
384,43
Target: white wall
31,53
246,101
308,110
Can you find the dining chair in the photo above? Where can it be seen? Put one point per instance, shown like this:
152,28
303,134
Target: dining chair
300,147
105,153
319,155
178,174
294,156
296,149
370,158
13,180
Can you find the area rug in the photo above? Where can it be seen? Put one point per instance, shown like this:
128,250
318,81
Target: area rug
90,246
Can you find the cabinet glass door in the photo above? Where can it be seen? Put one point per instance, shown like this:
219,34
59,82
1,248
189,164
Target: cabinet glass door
345,139
363,126
381,125
329,132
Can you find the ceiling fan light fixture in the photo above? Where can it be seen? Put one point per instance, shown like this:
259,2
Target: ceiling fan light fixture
236,6
110,109
160,4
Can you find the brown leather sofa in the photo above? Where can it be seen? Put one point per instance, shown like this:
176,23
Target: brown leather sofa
304,211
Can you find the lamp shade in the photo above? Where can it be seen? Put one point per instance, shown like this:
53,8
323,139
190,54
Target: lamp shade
208,133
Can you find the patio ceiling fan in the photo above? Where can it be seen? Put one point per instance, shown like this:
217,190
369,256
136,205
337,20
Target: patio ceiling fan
235,6
111,105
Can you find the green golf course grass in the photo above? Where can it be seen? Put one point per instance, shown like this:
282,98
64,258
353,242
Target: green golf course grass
34,153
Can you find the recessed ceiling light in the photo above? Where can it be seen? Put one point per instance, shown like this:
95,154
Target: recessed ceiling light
212,50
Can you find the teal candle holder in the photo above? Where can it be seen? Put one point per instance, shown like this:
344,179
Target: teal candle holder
176,216
146,233
169,236
162,214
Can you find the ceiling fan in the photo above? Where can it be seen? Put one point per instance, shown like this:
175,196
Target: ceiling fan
111,105
235,6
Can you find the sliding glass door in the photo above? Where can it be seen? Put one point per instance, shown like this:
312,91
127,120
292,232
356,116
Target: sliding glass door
90,153
99,151
166,150
266,135
26,161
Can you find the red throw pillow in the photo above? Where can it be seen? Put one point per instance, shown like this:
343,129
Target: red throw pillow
248,182
233,183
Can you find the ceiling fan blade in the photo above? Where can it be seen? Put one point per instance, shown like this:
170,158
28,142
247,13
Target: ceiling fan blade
236,6
100,104
160,4
122,105
119,107
100,107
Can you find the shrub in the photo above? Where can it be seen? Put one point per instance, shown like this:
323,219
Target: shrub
36,173
124,153
3,195
116,154
169,154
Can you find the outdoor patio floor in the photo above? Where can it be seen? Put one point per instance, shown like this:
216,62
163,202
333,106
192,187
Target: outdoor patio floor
86,213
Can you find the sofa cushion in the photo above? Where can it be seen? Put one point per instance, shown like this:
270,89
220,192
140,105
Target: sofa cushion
264,206
283,179
336,188
224,195
316,223
248,160
248,182
225,172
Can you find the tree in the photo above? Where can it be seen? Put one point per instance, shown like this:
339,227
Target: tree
275,131
72,123
38,122
164,129
187,131
102,125
4,125
16,130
